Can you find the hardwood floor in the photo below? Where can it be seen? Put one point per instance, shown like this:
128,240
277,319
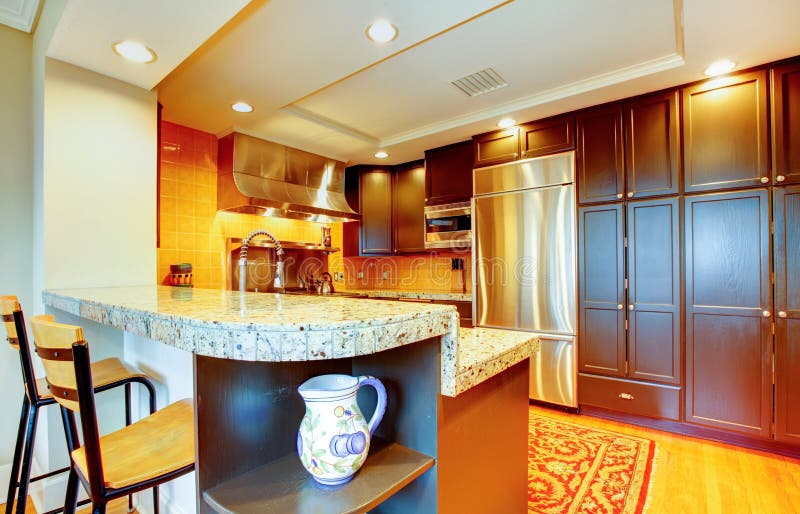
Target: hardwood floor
697,476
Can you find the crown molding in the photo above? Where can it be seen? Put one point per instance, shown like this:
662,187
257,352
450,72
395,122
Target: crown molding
20,16
550,95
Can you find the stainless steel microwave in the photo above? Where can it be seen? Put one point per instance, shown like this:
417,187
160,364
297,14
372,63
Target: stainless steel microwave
448,226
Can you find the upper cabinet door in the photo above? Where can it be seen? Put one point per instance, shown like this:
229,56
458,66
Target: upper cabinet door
725,127
496,147
652,155
786,123
599,154
547,136
375,197
602,295
448,174
409,208
787,307
654,308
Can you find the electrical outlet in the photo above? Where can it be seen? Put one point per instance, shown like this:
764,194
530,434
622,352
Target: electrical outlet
339,276
385,275
360,275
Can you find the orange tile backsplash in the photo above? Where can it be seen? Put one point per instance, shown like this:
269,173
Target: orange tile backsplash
430,273
191,229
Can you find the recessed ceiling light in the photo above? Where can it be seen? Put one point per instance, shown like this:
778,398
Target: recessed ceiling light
380,154
506,123
382,31
242,107
134,52
720,67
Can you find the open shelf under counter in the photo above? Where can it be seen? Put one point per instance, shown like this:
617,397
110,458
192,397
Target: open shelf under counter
284,486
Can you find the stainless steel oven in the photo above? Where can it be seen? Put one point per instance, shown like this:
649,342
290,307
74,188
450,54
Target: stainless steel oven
448,225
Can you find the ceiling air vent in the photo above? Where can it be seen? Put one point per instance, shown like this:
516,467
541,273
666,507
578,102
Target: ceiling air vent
481,82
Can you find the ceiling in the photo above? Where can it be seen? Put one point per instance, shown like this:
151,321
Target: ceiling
318,84
173,28
19,14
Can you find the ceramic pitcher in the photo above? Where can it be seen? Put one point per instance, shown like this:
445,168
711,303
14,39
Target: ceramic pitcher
333,439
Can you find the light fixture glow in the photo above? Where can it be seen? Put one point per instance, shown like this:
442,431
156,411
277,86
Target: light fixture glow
720,67
134,52
381,154
242,107
506,123
382,31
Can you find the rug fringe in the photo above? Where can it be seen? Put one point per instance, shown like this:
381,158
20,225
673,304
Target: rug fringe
653,466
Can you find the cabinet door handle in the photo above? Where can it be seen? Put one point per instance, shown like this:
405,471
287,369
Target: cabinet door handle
766,314
781,314
626,396
619,195
631,307
765,180
620,306
515,154
780,178
524,153
630,194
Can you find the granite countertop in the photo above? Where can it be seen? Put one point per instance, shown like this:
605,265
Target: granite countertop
415,295
486,352
279,328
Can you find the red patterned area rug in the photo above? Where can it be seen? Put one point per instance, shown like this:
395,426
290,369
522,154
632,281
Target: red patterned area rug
573,468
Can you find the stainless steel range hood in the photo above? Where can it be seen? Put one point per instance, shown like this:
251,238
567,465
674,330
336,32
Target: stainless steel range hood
260,177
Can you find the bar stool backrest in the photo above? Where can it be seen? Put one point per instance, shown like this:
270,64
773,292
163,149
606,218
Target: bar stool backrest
17,335
65,355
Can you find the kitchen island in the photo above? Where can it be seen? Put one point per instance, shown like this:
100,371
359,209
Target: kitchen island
251,351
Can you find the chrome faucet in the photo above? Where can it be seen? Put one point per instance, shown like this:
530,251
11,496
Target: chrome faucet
278,283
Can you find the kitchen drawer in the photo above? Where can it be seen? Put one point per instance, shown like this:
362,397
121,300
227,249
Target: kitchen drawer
655,401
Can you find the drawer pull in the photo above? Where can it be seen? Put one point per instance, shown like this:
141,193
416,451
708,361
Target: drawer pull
626,396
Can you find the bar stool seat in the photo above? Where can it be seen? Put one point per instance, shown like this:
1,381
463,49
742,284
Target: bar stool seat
106,372
157,445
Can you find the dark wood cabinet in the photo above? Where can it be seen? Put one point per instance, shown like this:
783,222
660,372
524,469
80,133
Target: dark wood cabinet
448,174
599,156
654,331
409,208
786,123
601,273
375,200
787,310
728,299
496,147
547,136
725,129
652,145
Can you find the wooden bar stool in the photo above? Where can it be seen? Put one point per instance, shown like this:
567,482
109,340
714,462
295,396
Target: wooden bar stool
108,373
140,456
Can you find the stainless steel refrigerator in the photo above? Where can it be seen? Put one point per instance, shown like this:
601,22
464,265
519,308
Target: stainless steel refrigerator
525,263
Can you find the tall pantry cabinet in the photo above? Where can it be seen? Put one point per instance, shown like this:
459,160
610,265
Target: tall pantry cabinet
689,255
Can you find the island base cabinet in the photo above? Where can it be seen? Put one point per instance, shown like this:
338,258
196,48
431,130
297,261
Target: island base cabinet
471,449
483,447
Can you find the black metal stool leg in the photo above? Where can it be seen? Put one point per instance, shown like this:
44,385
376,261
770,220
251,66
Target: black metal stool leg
71,499
128,421
12,482
99,507
27,459
151,391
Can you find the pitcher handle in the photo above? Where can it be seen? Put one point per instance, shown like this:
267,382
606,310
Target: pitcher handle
380,409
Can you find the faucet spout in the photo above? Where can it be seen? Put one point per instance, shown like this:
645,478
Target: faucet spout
278,283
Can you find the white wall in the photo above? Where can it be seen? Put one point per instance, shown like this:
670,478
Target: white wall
99,180
16,213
